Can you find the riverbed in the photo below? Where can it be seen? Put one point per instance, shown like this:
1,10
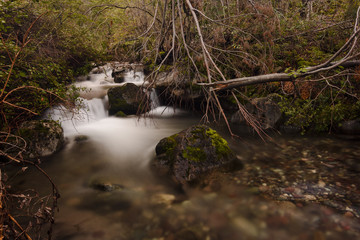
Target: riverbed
289,187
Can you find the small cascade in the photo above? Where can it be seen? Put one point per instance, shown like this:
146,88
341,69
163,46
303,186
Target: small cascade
93,103
134,77
155,102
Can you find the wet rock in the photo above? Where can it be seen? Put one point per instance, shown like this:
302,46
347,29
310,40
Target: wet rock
97,70
81,138
105,186
130,99
120,70
266,110
120,114
192,152
119,75
43,137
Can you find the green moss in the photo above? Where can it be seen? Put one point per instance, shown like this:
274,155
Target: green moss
120,114
220,144
167,146
122,105
194,154
27,133
198,129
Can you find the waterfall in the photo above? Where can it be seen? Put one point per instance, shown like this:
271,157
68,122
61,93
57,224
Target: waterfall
92,105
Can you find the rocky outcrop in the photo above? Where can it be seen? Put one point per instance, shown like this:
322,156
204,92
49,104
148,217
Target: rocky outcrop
266,110
187,155
129,99
43,137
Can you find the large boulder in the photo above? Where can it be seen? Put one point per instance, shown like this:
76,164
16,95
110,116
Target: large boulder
43,137
129,99
187,155
266,110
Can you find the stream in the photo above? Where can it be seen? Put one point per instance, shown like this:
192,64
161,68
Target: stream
291,187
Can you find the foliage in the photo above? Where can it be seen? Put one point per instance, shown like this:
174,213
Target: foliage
44,45
249,38
320,115
53,44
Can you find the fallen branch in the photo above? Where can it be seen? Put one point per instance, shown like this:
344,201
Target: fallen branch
273,77
329,64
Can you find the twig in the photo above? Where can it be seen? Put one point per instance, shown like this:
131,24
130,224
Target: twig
19,226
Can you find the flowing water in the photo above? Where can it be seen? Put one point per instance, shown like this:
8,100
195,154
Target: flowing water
108,192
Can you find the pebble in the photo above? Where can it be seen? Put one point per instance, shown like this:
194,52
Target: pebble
309,197
349,214
286,205
162,198
247,227
321,184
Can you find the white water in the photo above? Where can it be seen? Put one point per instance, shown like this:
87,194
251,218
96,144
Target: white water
123,139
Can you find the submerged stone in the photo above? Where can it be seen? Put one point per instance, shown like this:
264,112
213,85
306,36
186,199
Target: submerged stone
81,138
192,152
106,186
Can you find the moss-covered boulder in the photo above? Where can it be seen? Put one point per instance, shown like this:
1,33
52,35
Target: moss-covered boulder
43,137
187,155
129,99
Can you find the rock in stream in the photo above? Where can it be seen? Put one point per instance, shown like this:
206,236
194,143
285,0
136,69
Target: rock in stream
192,152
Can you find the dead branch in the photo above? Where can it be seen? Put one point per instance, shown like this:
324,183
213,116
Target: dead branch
273,77
19,226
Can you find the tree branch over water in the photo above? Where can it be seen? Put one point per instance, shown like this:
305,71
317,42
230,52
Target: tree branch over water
275,77
346,61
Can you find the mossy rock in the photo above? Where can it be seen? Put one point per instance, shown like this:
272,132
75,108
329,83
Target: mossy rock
187,155
129,99
43,137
